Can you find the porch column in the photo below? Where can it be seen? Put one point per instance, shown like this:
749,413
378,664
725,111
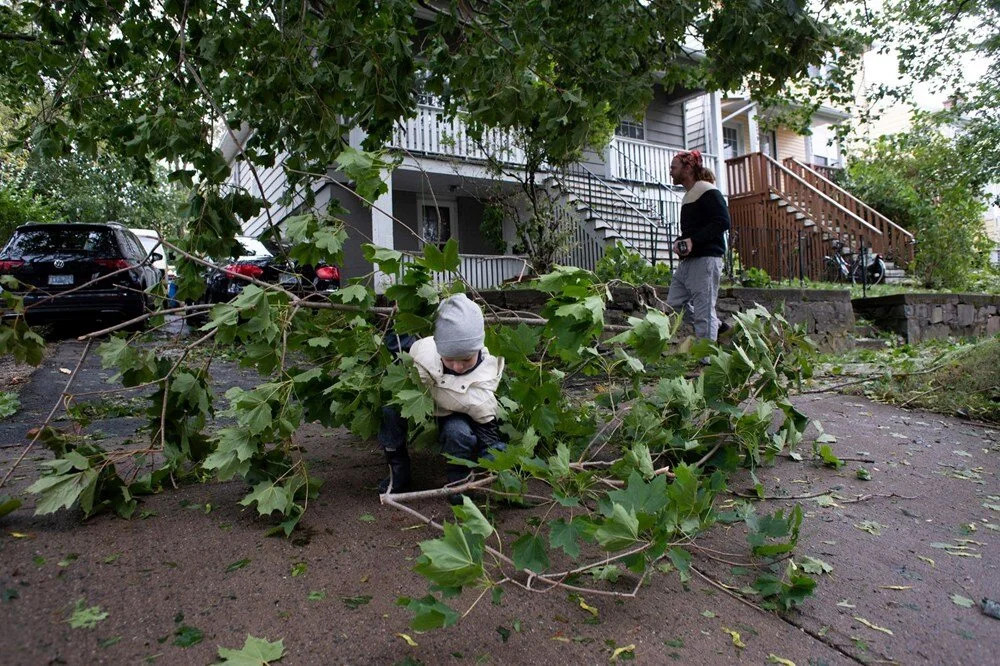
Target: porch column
809,149
754,129
718,145
382,230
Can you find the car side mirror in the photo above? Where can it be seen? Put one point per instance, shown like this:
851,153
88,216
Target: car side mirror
156,256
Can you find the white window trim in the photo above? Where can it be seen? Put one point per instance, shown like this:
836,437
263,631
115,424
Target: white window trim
439,202
642,121
740,143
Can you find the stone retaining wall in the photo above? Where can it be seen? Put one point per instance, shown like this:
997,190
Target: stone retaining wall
926,316
827,314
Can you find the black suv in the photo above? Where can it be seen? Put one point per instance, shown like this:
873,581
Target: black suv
50,259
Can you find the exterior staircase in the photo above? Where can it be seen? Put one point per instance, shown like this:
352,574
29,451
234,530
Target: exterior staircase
787,218
613,211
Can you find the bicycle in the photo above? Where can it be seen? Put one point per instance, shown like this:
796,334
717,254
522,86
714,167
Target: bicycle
846,266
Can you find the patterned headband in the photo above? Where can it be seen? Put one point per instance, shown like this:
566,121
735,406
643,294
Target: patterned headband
690,158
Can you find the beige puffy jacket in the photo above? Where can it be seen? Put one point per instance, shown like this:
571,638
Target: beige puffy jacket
473,393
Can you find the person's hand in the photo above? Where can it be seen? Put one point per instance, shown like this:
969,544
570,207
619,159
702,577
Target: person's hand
690,246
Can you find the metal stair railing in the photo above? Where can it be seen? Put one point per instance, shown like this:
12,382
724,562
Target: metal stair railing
595,182
651,178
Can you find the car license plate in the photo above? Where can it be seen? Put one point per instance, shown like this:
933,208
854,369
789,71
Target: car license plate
60,279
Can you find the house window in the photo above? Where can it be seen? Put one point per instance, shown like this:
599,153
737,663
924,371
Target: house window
732,146
438,221
631,128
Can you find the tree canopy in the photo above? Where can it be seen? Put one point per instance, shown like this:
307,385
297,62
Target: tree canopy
154,80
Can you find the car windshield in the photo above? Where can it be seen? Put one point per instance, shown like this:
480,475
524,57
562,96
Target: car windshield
61,239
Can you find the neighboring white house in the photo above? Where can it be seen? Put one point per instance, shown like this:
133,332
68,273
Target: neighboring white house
441,188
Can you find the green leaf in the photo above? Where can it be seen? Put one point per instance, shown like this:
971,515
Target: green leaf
255,652
565,535
238,564
9,404
472,518
186,636
434,258
619,531
559,463
609,572
681,559
414,404
774,526
452,261
454,560
640,457
356,602
366,170
828,457
83,617
530,553
814,565
269,498
299,569
351,293
60,491
387,260
8,504
316,595
429,613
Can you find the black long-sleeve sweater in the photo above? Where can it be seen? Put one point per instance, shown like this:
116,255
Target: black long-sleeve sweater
704,219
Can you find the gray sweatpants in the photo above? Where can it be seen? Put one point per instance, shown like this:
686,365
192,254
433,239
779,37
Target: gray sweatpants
695,287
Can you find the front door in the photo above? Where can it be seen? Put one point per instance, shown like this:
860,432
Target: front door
437,222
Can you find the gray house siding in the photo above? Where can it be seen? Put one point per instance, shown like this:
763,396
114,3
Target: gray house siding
404,209
665,120
698,131
358,220
470,221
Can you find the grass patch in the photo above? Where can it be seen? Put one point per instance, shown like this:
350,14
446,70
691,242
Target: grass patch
951,378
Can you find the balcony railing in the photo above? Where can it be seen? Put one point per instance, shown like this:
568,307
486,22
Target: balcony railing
430,133
644,162
482,271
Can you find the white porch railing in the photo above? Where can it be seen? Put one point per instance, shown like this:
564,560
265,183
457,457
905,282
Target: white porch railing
644,162
482,271
429,132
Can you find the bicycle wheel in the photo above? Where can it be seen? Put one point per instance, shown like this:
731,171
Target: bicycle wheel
831,270
876,271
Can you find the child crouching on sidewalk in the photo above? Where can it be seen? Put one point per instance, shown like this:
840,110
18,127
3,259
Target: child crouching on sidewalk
462,377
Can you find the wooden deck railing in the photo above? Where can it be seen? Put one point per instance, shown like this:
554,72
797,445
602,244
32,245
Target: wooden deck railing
829,172
899,241
760,175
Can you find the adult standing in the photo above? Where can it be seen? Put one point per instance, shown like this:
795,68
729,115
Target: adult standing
701,245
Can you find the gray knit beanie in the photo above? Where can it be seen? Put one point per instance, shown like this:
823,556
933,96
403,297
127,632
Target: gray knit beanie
459,330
